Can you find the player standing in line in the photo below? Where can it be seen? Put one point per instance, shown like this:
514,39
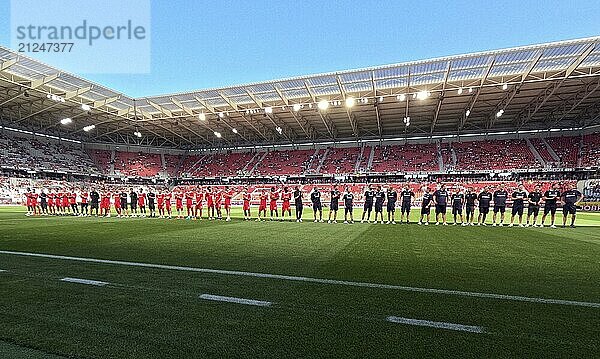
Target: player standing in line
218,202
199,200
179,203
133,200
348,206
407,197
458,202
392,197
58,201
426,206
142,203
210,204
484,199
123,199
246,197
315,198
500,197
571,199
51,202
262,206
28,197
227,194
274,196
73,202
534,200
152,203
518,206
43,203
286,197
117,203
94,201
189,203
440,199
551,198
334,204
84,202
160,199
105,202
299,204
368,206
470,198
65,202
379,200
168,198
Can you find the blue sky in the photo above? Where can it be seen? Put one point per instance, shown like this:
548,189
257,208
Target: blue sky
204,44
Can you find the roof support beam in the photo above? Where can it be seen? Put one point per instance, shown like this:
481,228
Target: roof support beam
475,96
239,112
374,88
287,103
314,99
440,98
344,97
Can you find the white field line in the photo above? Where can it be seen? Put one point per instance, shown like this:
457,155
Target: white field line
219,298
84,281
439,325
317,280
2,270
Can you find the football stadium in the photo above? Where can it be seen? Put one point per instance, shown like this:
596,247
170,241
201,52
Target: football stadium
437,207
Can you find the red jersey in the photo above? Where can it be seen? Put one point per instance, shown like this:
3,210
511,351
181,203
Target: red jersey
274,196
34,198
189,199
179,200
141,199
84,197
263,200
168,197
160,198
117,200
227,196
50,199
286,197
199,197
28,198
65,200
218,198
72,198
247,197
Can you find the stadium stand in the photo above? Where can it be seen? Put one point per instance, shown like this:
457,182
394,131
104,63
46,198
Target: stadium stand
284,163
406,158
137,164
102,159
340,160
590,150
171,165
494,155
542,148
221,164
566,148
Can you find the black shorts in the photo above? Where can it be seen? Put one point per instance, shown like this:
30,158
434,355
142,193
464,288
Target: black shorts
334,206
440,208
405,207
484,210
456,210
151,206
317,206
518,209
391,207
44,205
133,205
94,205
348,210
535,210
425,210
368,206
470,210
569,208
500,209
124,204
550,209
379,207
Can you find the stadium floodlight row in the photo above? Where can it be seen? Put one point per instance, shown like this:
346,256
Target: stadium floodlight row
63,202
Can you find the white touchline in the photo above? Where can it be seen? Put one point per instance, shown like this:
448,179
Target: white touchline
439,325
316,280
2,270
219,298
84,281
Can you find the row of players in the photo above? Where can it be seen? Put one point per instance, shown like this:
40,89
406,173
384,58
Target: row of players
467,200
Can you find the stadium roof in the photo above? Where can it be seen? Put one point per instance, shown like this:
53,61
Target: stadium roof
552,85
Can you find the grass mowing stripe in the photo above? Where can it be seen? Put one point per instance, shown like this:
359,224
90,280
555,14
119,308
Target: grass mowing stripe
84,281
439,325
317,280
219,298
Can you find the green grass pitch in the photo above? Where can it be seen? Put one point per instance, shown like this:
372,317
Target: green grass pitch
157,313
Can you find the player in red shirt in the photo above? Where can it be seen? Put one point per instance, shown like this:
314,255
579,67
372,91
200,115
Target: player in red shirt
274,196
179,204
227,194
160,199
247,197
210,204
73,202
84,202
168,197
105,197
189,203
117,203
142,203
28,201
286,196
262,207
199,199
65,202
50,202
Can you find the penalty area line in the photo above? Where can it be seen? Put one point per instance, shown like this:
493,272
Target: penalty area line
507,297
84,281
220,298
